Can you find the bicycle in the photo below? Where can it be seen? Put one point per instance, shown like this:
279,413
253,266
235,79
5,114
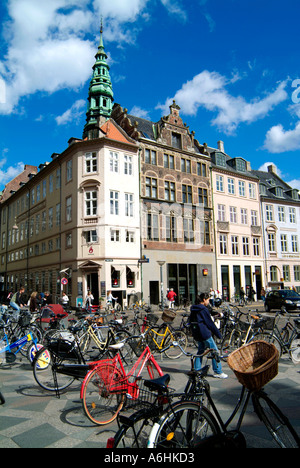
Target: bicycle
242,332
134,430
190,424
107,387
11,349
286,339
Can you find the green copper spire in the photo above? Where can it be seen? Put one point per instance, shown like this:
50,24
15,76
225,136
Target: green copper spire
100,100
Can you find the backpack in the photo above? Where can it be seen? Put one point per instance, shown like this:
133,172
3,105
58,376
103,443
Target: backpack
194,327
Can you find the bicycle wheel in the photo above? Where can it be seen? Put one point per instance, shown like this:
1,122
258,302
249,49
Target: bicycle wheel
2,399
135,433
35,331
295,350
45,370
174,352
269,338
230,343
275,421
100,403
185,426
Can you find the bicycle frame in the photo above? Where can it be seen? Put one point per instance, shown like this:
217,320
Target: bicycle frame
160,345
277,334
124,385
11,350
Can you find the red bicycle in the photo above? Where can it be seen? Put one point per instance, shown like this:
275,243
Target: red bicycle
107,387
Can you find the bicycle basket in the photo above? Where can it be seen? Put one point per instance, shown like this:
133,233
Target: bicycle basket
137,345
24,319
267,323
63,348
254,364
152,319
168,316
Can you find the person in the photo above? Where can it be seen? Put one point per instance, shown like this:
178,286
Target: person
205,329
89,301
263,294
212,297
17,300
110,298
242,296
33,302
171,297
64,300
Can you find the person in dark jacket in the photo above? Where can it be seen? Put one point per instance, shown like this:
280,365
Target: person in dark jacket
205,332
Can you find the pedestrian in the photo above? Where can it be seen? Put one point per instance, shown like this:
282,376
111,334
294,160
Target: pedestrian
33,302
212,297
171,298
64,300
89,301
203,330
263,294
109,299
242,296
17,300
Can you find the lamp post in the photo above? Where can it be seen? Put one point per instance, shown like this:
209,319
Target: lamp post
162,299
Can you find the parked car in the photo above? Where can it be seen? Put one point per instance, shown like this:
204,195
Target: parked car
282,299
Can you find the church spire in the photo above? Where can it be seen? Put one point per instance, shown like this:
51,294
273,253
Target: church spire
100,99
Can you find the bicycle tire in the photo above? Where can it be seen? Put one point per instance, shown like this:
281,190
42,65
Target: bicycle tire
174,352
269,338
45,374
294,350
185,426
230,343
100,404
275,421
2,399
136,432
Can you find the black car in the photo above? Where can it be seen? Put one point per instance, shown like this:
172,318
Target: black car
282,299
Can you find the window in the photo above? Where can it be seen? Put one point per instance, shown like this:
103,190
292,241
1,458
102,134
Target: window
151,187
273,274
223,244
57,214
38,193
58,178
91,203
244,216
130,237
201,169
271,242
256,247
235,245
252,191
113,162
185,165
283,240
187,194
203,197
281,214
69,209
115,235
233,214
221,213
296,273
295,244
171,229
150,157
176,140
114,203
69,170
91,163
152,227
91,237
44,185
188,230
128,166
242,188
231,186
51,178
219,183
292,213
246,246
170,191
169,161
254,218
68,240
50,220
129,204
240,165
269,213
286,272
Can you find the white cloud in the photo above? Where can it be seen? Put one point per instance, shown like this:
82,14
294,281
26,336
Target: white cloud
208,90
9,173
73,114
279,140
265,166
139,112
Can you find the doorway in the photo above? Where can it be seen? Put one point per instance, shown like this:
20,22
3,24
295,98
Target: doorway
92,283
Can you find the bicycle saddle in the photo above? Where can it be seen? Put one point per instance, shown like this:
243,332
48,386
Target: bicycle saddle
159,384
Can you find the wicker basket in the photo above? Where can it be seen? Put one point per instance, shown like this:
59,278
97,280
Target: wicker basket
254,364
168,316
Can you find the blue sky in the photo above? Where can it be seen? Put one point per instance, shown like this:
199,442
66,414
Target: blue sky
231,65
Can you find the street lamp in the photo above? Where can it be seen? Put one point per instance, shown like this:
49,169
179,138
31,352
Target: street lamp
162,299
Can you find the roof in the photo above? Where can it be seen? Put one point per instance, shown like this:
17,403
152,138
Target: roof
276,188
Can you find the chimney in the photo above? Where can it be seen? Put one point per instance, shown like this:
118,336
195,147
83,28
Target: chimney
221,146
272,169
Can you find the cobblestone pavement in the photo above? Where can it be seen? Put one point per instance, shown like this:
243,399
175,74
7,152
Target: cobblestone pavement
33,418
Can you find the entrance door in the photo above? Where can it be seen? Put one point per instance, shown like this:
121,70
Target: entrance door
93,286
